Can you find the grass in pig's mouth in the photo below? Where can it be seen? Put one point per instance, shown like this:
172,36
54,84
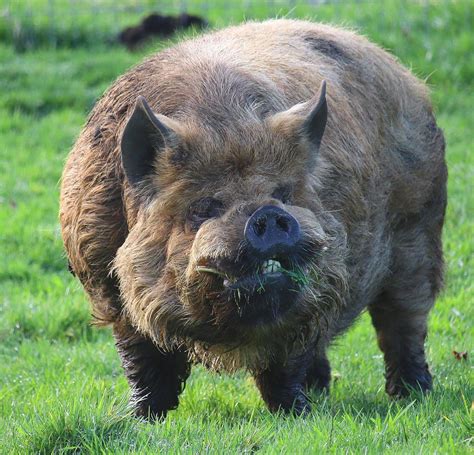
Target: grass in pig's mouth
269,272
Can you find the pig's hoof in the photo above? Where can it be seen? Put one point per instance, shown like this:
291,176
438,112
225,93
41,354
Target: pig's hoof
299,406
318,377
149,414
401,387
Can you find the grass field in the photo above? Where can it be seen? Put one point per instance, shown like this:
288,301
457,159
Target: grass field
62,389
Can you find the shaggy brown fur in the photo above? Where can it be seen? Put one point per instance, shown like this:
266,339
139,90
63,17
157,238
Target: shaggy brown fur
238,127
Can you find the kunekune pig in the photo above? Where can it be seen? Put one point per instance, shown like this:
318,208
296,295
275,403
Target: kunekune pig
240,198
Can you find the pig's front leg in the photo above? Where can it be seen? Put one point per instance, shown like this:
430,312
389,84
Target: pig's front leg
282,386
155,377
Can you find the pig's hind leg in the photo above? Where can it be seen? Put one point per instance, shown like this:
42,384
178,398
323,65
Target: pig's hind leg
400,312
155,377
401,335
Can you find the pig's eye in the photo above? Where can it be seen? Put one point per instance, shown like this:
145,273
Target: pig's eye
202,210
282,193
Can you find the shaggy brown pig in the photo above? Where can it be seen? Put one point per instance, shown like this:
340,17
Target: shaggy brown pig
240,198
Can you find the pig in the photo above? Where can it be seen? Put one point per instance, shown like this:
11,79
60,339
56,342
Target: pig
240,198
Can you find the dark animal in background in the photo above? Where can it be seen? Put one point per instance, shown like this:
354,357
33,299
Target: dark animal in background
156,25
224,204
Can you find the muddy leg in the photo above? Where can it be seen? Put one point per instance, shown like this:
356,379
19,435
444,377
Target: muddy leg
318,376
155,377
282,386
400,313
401,335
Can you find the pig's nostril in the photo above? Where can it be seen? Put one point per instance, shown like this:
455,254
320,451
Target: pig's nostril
283,223
260,226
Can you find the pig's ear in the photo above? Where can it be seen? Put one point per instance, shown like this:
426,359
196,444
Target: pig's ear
143,138
315,122
305,119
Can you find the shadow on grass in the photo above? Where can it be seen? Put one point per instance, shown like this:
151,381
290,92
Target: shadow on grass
358,405
365,406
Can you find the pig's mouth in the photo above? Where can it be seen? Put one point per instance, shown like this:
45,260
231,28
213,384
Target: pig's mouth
270,272
263,293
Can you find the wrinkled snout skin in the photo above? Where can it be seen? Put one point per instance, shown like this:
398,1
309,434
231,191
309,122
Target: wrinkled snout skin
240,198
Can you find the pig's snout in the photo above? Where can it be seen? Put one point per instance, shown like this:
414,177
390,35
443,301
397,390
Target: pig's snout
271,230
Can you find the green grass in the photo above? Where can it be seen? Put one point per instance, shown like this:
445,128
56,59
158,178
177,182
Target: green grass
61,385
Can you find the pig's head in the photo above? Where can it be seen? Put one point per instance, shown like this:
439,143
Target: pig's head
231,248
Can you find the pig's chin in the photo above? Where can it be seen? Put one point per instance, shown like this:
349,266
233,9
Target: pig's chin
262,299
